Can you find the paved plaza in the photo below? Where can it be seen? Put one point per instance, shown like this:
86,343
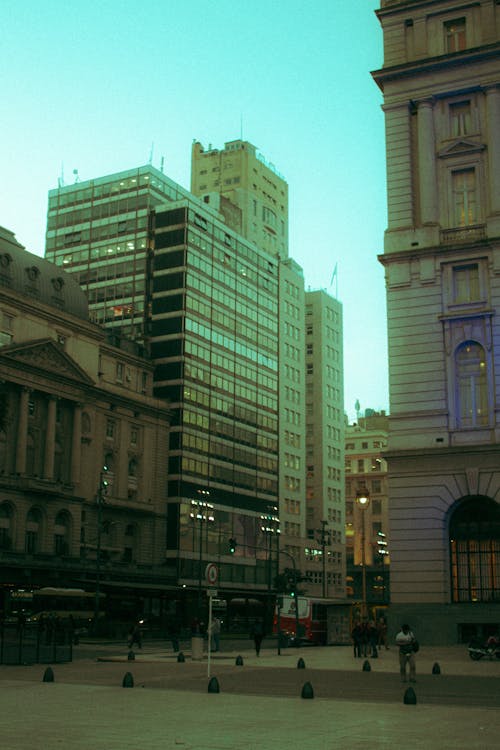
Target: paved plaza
259,704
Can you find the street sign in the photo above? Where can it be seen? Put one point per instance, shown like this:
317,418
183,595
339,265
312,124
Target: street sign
211,574
212,592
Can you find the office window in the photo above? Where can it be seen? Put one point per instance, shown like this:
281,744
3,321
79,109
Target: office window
471,385
455,35
464,197
460,118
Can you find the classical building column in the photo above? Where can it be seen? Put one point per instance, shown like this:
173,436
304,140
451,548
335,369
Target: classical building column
76,444
22,431
493,121
427,164
50,439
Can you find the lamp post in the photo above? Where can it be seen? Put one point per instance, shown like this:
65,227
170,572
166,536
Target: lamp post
101,492
363,500
203,512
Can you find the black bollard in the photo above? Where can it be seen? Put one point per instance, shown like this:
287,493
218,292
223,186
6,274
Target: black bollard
181,657
213,685
301,664
436,669
48,675
307,690
366,666
131,656
239,661
128,680
410,699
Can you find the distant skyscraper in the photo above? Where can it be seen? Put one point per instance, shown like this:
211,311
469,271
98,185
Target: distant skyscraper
238,175
441,86
97,231
325,507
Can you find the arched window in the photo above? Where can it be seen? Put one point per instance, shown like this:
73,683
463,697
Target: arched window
5,526
472,385
61,534
33,530
475,551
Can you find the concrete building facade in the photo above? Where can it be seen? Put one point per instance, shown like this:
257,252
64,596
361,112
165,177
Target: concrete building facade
324,565
72,404
239,177
441,87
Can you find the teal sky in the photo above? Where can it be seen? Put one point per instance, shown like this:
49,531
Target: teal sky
100,86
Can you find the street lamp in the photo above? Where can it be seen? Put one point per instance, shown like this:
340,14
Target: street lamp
363,501
325,540
201,511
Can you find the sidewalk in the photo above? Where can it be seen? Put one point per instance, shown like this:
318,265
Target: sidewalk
79,713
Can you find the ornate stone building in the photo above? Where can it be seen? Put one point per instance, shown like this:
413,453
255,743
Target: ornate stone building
441,87
71,405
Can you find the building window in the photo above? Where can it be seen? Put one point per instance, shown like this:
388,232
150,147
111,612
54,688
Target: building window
110,429
119,372
455,35
471,385
466,287
361,465
460,118
475,551
464,197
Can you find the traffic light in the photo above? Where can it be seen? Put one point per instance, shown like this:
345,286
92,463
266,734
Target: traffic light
232,546
104,480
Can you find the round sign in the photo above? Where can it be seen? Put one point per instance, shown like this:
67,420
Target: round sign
212,574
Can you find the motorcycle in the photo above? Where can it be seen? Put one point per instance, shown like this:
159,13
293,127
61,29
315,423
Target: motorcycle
490,649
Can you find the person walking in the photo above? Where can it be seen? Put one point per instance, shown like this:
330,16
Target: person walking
215,634
357,639
257,633
407,643
135,636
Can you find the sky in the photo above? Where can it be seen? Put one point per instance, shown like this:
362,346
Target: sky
106,85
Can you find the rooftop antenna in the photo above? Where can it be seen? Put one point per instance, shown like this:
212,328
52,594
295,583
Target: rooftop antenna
77,176
335,276
60,179
151,152
162,164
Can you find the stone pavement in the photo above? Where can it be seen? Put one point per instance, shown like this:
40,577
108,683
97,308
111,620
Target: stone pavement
170,706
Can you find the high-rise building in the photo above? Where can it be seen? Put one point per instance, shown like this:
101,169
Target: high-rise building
239,176
97,231
214,339
441,87
324,565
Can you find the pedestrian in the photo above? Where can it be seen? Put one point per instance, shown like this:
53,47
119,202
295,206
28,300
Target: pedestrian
173,632
257,633
357,638
373,638
215,634
364,637
407,643
382,633
135,636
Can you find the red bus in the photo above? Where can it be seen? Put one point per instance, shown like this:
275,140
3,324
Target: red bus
310,617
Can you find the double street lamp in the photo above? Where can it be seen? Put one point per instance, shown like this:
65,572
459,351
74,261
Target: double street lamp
363,501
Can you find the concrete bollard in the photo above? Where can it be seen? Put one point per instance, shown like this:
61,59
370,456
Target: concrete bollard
410,699
436,669
130,656
213,685
301,664
366,666
48,675
181,657
239,661
307,690
128,680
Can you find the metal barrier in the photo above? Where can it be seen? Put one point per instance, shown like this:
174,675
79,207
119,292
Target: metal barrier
31,644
